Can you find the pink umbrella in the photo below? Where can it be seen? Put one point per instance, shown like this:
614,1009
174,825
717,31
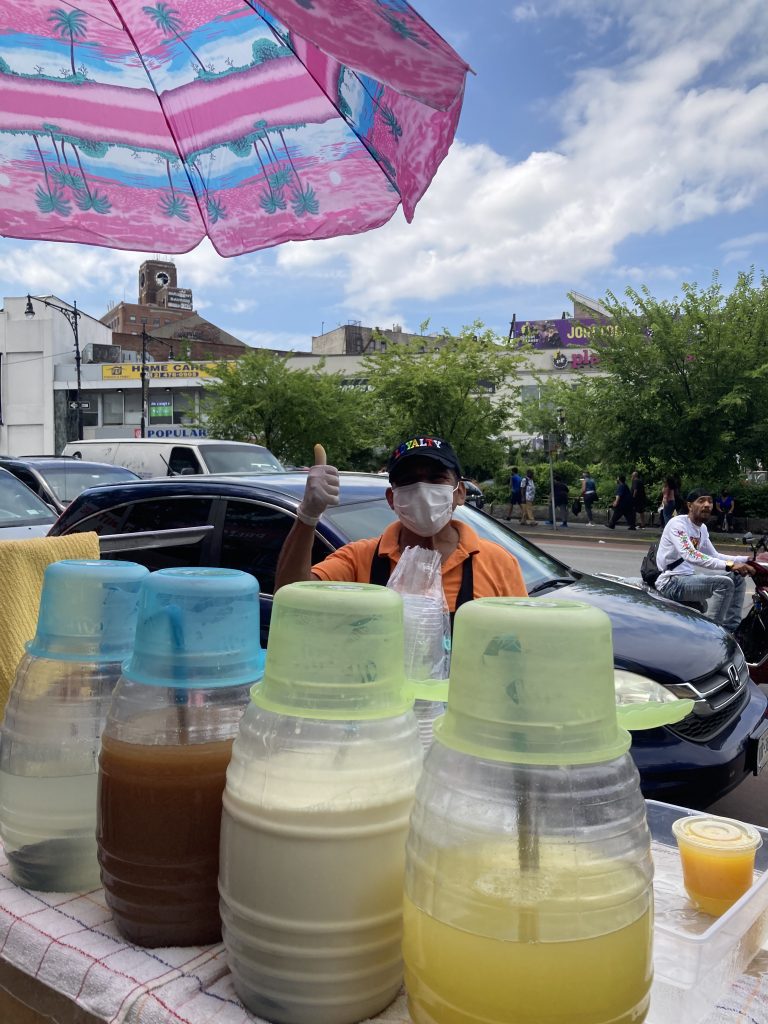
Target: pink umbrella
148,126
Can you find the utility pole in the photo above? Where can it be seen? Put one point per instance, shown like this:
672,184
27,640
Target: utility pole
144,389
72,315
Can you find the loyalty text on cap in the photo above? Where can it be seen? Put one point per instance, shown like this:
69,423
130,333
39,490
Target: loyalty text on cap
416,442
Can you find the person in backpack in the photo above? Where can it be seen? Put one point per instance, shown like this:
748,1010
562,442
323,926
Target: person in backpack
589,495
426,487
639,500
528,493
684,547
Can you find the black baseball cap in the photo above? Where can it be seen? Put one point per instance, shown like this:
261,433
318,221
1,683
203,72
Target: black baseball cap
425,447
698,492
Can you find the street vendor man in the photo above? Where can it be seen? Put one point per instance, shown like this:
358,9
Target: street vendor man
425,488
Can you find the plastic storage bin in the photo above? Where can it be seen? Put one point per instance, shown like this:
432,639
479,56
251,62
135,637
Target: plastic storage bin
697,957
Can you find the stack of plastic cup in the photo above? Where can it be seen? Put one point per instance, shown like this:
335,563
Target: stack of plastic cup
427,646
316,810
55,714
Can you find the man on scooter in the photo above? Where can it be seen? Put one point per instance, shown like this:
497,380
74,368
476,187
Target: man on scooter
684,547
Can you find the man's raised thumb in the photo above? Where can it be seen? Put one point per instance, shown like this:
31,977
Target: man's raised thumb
320,457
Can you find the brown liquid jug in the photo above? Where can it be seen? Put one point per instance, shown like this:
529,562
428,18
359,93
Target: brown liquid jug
165,751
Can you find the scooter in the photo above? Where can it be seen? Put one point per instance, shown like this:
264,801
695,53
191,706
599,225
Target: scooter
752,633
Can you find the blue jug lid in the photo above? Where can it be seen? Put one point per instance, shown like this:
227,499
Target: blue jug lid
197,628
88,610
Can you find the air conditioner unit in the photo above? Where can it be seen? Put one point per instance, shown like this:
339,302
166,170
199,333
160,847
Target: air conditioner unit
101,353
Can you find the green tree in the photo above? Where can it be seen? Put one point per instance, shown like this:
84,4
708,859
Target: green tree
685,384
460,387
259,398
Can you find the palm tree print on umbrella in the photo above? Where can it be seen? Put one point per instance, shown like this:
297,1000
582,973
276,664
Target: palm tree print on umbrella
72,24
389,10
50,199
86,197
169,21
173,205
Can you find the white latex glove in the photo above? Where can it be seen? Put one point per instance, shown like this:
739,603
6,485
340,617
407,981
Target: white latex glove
322,489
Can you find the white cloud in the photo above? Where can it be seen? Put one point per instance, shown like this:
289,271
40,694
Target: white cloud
524,12
665,139
275,339
745,241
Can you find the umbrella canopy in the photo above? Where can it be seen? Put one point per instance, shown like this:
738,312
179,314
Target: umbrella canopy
149,125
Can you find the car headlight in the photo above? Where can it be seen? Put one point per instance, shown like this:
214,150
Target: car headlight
632,688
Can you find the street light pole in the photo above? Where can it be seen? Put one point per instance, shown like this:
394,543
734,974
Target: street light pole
144,389
72,315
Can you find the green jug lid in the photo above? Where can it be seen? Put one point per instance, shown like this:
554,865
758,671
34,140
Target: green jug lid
532,683
335,652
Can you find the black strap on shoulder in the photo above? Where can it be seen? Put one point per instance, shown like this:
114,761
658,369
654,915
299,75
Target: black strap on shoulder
380,570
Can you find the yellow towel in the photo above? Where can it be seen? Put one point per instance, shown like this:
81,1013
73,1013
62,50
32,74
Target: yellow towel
22,565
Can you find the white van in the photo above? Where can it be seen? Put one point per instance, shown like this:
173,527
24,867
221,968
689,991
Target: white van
154,456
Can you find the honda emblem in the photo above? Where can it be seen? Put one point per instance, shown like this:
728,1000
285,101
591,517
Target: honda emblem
733,676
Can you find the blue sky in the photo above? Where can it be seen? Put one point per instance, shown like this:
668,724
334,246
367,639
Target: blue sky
603,144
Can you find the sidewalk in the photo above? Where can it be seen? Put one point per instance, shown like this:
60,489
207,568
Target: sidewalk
579,530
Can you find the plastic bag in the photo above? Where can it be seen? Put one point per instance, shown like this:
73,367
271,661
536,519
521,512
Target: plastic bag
427,625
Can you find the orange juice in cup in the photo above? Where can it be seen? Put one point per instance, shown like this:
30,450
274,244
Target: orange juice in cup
718,858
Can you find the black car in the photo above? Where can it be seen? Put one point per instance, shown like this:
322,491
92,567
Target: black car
660,649
59,479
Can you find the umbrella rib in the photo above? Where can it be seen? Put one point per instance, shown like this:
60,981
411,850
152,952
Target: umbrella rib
147,72
287,42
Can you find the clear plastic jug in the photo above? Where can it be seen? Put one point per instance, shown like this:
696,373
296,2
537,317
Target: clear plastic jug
165,751
528,894
316,808
50,736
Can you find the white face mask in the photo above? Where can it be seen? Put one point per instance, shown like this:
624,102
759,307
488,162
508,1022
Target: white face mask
422,508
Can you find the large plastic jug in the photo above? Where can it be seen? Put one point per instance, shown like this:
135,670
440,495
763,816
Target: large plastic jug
316,808
50,736
528,895
165,751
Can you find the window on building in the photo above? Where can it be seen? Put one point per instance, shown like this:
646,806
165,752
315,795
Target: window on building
132,406
161,407
184,407
112,407
91,412
156,322
132,318
529,393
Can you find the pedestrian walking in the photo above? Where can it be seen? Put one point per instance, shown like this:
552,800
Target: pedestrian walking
639,501
588,495
623,507
560,500
527,494
669,496
515,498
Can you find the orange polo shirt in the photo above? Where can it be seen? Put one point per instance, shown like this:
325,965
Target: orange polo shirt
496,572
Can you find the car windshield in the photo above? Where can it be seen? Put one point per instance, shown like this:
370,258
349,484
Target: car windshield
69,479
368,519
239,458
19,506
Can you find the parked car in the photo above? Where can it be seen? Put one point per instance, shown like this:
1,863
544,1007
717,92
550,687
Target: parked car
474,495
22,513
58,480
154,456
659,647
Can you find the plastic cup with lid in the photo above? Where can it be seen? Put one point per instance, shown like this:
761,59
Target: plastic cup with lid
718,859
